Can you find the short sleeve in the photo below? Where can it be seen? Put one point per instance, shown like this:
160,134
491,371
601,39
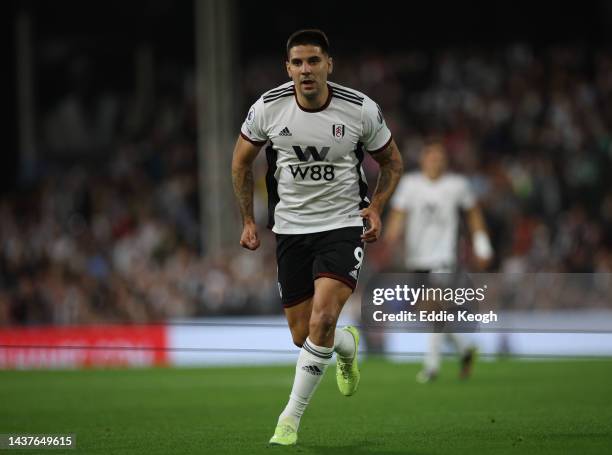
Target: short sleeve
401,197
252,129
465,195
376,136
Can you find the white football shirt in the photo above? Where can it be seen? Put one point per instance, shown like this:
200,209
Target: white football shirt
432,221
315,181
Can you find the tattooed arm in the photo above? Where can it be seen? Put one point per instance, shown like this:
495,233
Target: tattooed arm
242,179
391,169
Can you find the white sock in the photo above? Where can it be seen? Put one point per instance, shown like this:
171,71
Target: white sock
432,356
344,343
311,365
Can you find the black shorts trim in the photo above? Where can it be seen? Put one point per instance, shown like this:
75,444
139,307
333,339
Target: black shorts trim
342,279
297,301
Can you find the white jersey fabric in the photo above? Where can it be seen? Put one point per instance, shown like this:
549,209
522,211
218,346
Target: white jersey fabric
432,221
315,181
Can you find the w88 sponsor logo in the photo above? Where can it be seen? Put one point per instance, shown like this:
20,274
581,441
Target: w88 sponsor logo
315,171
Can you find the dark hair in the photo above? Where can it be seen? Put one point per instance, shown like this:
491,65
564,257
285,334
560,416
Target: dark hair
312,36
433,141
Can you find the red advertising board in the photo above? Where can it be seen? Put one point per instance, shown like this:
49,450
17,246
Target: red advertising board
83,346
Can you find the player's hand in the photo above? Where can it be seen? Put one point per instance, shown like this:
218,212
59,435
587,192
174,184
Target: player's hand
249,238
373,225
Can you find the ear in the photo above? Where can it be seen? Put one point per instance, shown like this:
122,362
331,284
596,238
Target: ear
330,62
288,71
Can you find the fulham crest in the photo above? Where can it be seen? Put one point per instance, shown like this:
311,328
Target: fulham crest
338,131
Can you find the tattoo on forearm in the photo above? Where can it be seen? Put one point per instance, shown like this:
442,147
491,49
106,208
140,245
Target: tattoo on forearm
385,180
242,180
390,172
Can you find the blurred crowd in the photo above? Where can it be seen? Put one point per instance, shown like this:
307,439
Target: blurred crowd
117,237
109,231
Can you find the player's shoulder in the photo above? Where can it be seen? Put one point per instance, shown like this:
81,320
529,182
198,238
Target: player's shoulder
459,183
277,93
348,94
454,178
410,179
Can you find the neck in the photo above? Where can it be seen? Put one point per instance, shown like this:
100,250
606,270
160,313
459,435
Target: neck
316,102
432,176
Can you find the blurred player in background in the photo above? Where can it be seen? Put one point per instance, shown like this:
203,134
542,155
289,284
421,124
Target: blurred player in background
318,207
425,212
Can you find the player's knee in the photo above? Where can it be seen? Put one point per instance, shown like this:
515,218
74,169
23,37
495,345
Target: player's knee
322,322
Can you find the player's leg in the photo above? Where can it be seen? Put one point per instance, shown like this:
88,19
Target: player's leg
298,319
295,261
323,311
462,342
466,351
318,315
328,301
339,255
431,360
431,364
330,297
305,380
467,362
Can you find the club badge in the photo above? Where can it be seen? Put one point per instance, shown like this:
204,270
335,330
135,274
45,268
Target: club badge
338,131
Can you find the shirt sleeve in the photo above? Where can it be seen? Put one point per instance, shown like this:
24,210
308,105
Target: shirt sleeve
467,198
401,197
376,136
252,128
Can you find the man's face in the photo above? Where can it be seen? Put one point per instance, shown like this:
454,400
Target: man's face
433,160
309,67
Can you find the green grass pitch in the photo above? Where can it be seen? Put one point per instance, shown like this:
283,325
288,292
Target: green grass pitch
508,407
